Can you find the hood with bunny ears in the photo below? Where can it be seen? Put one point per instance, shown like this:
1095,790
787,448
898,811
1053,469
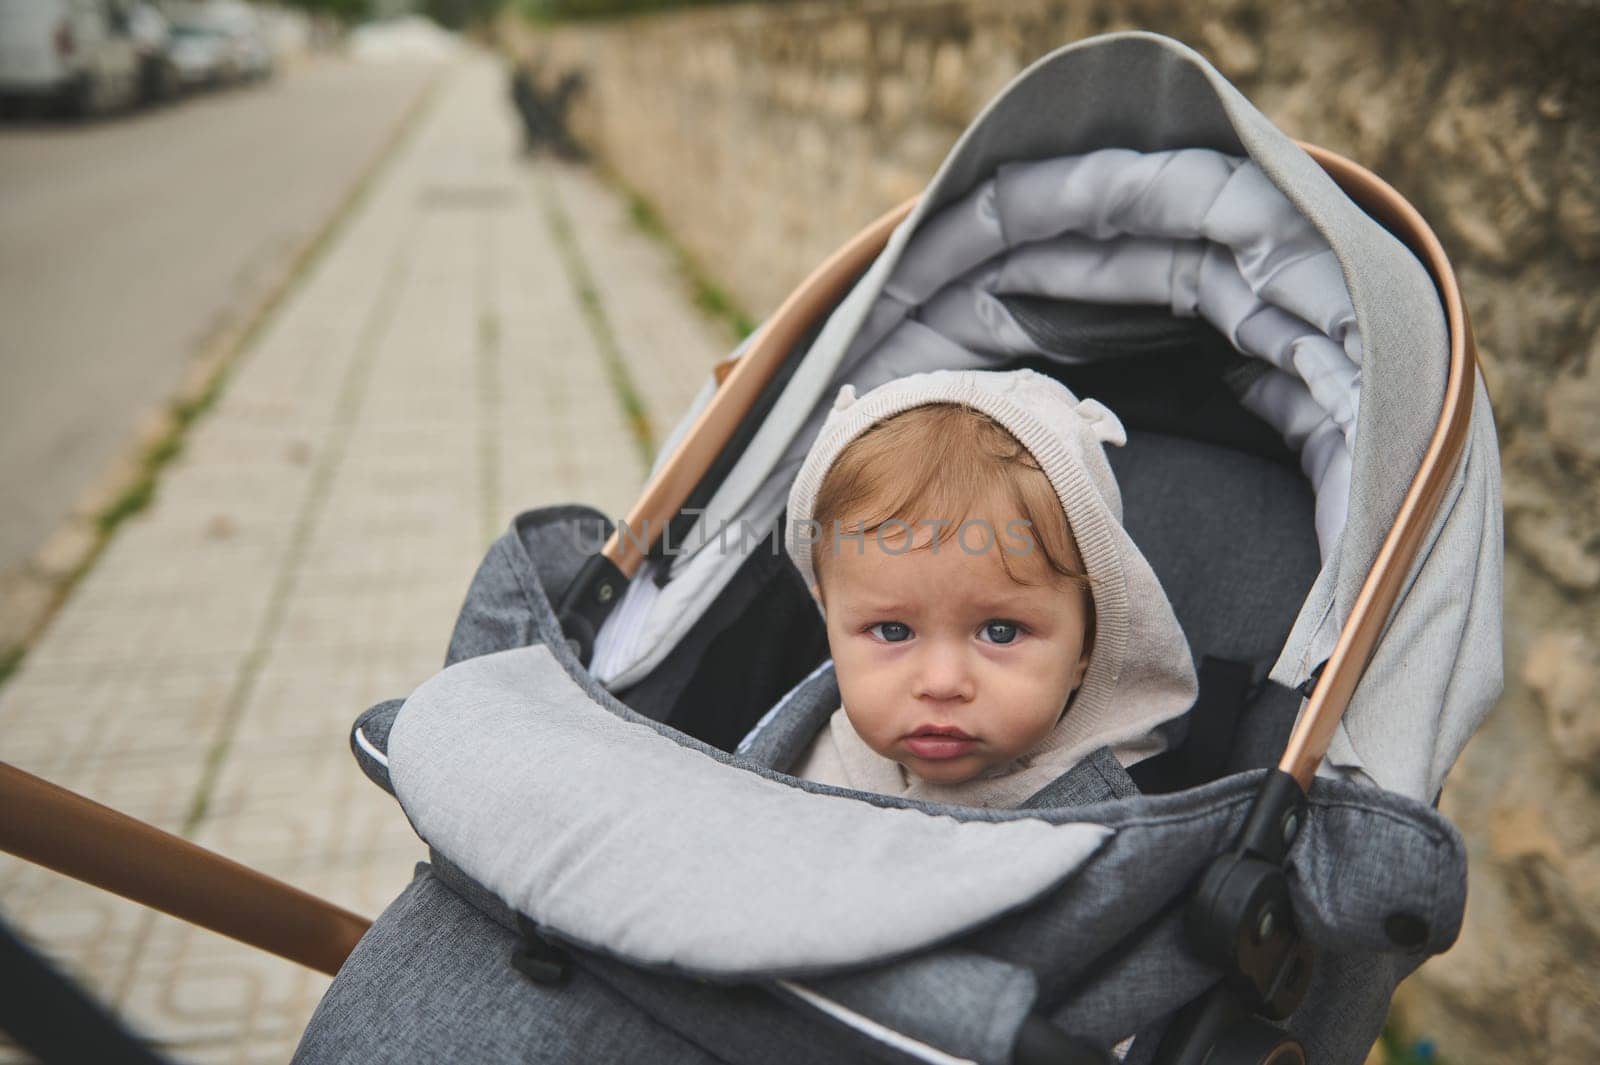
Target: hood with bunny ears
1140,671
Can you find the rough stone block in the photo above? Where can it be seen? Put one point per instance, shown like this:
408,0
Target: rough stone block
1563,669
1550,541
1572,410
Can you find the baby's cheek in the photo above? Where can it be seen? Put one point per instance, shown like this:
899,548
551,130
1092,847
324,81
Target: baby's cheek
870,711
1037,711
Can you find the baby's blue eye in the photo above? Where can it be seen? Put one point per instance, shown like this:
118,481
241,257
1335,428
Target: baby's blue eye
891,631
999,631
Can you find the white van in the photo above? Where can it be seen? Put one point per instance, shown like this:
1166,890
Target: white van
76,53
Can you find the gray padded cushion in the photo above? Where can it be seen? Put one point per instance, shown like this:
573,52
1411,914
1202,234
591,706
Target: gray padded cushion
563,810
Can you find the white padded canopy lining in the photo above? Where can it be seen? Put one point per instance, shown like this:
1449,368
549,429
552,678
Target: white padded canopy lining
630,842
1202,233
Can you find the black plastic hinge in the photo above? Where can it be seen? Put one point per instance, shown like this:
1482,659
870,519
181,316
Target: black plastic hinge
1241,918
593,594
1309,685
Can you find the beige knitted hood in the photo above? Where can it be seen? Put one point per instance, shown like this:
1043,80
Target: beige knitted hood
1140,672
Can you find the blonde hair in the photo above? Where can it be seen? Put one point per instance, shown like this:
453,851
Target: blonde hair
939,463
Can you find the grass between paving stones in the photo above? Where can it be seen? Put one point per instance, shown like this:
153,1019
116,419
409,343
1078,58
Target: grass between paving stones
488,373
138,495
10,659
594,314
710,298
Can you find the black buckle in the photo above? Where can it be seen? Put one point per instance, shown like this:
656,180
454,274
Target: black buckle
539,959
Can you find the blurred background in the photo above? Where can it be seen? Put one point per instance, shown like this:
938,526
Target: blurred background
301,303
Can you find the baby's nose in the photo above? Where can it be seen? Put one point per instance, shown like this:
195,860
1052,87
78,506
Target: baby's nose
944,675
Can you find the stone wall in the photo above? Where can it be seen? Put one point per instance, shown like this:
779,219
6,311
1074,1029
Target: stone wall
766,135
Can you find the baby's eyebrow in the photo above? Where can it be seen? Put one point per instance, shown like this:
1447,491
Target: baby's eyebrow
1019,604
881,609
874,606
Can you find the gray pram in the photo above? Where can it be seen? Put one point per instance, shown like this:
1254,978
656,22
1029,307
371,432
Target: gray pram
621,871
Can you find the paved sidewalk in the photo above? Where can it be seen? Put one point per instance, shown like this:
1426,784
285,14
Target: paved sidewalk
439,370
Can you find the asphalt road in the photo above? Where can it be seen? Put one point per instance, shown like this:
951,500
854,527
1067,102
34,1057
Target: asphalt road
124,244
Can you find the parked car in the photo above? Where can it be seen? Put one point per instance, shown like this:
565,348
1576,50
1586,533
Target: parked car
200,54
247,38
223,41
152,37
77,54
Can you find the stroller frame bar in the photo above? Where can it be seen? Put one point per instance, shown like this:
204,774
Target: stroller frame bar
61,830
1309,741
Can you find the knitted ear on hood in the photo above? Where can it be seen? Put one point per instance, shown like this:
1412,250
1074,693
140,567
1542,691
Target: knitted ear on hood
1140,671
1104,425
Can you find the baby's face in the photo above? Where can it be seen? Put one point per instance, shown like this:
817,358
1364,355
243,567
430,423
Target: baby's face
945,664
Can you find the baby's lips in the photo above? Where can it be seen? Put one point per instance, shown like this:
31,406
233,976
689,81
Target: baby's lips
948,731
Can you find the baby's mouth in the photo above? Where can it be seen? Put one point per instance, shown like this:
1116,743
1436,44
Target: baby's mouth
939,742
941,730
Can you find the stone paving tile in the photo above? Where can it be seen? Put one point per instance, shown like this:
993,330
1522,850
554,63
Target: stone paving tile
662,337
293,703
211,992
63,722
297,811
122,631
94,936
403,612
306,553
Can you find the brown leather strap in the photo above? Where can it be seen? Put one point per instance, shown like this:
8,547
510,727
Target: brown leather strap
61,830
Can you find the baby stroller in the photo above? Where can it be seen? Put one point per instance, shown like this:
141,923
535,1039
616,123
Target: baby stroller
620,868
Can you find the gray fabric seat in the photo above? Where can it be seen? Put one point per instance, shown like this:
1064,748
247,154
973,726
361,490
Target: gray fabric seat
1229,534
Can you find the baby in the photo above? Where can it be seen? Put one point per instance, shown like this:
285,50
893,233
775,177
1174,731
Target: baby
991,623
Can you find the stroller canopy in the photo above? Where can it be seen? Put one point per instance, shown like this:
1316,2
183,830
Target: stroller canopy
1072,185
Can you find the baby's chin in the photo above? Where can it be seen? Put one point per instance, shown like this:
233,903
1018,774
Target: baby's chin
948,771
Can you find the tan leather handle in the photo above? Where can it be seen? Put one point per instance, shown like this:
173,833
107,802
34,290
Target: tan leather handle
1308,743
61,830
670,488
